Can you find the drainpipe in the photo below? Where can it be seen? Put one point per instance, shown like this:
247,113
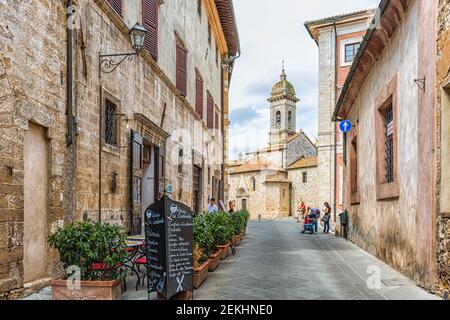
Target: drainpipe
334,123
229,63
222,187
100,142
69,66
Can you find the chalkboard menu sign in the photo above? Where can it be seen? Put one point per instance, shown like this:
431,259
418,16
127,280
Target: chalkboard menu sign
169,239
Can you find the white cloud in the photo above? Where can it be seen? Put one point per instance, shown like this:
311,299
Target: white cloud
271,31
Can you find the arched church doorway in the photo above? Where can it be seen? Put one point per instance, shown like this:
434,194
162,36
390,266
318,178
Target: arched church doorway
242,199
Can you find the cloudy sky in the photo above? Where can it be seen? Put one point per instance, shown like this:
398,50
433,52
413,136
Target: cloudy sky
271,31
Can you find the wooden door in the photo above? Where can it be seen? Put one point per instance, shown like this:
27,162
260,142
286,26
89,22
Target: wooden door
136,183
196,188
244,204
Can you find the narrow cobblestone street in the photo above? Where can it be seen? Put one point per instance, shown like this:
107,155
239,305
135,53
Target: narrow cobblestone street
276,261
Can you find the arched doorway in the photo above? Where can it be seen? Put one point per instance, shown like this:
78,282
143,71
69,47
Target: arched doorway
242,197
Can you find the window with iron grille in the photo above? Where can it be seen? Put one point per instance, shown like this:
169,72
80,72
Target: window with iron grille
354,165
389,131
351,50
110,123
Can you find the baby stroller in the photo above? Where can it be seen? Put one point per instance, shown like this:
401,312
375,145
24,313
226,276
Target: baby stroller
309,225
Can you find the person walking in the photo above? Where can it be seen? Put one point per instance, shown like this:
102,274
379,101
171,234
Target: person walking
326,218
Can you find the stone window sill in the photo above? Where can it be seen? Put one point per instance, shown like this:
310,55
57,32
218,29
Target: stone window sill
388,191
355,198
115,151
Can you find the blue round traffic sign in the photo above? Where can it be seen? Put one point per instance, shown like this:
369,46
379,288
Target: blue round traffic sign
345,126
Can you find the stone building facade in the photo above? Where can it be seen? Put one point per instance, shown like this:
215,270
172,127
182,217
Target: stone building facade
443,143
338,39
303,175
34,159
394,180
261,187
153,126
270,182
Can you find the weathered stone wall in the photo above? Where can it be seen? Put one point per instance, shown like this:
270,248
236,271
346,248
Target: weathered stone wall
443,144
276,156
266,202
298,147
307,192
32,76
145,92
241,187
277,200
389,229
32,89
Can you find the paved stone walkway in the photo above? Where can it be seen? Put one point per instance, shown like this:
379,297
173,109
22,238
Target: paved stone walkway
276,262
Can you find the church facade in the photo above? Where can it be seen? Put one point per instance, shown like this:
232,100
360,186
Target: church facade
270,182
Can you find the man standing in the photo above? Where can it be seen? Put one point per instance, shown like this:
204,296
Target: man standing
326,218
212,206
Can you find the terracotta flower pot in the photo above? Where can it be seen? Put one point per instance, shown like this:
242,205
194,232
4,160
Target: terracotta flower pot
235,240
214,261
90,290
200,274
224,250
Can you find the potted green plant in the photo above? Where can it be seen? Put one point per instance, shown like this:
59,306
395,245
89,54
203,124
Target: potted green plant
203,233
201,263
220,223
92,253
245,217
203,243
237,225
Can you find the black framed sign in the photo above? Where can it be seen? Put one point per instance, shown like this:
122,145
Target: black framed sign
169,238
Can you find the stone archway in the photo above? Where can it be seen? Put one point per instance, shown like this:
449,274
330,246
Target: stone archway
242,198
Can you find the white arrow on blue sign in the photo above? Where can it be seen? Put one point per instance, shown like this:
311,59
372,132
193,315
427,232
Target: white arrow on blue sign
345,126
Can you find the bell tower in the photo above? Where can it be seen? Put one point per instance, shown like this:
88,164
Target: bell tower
283,111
